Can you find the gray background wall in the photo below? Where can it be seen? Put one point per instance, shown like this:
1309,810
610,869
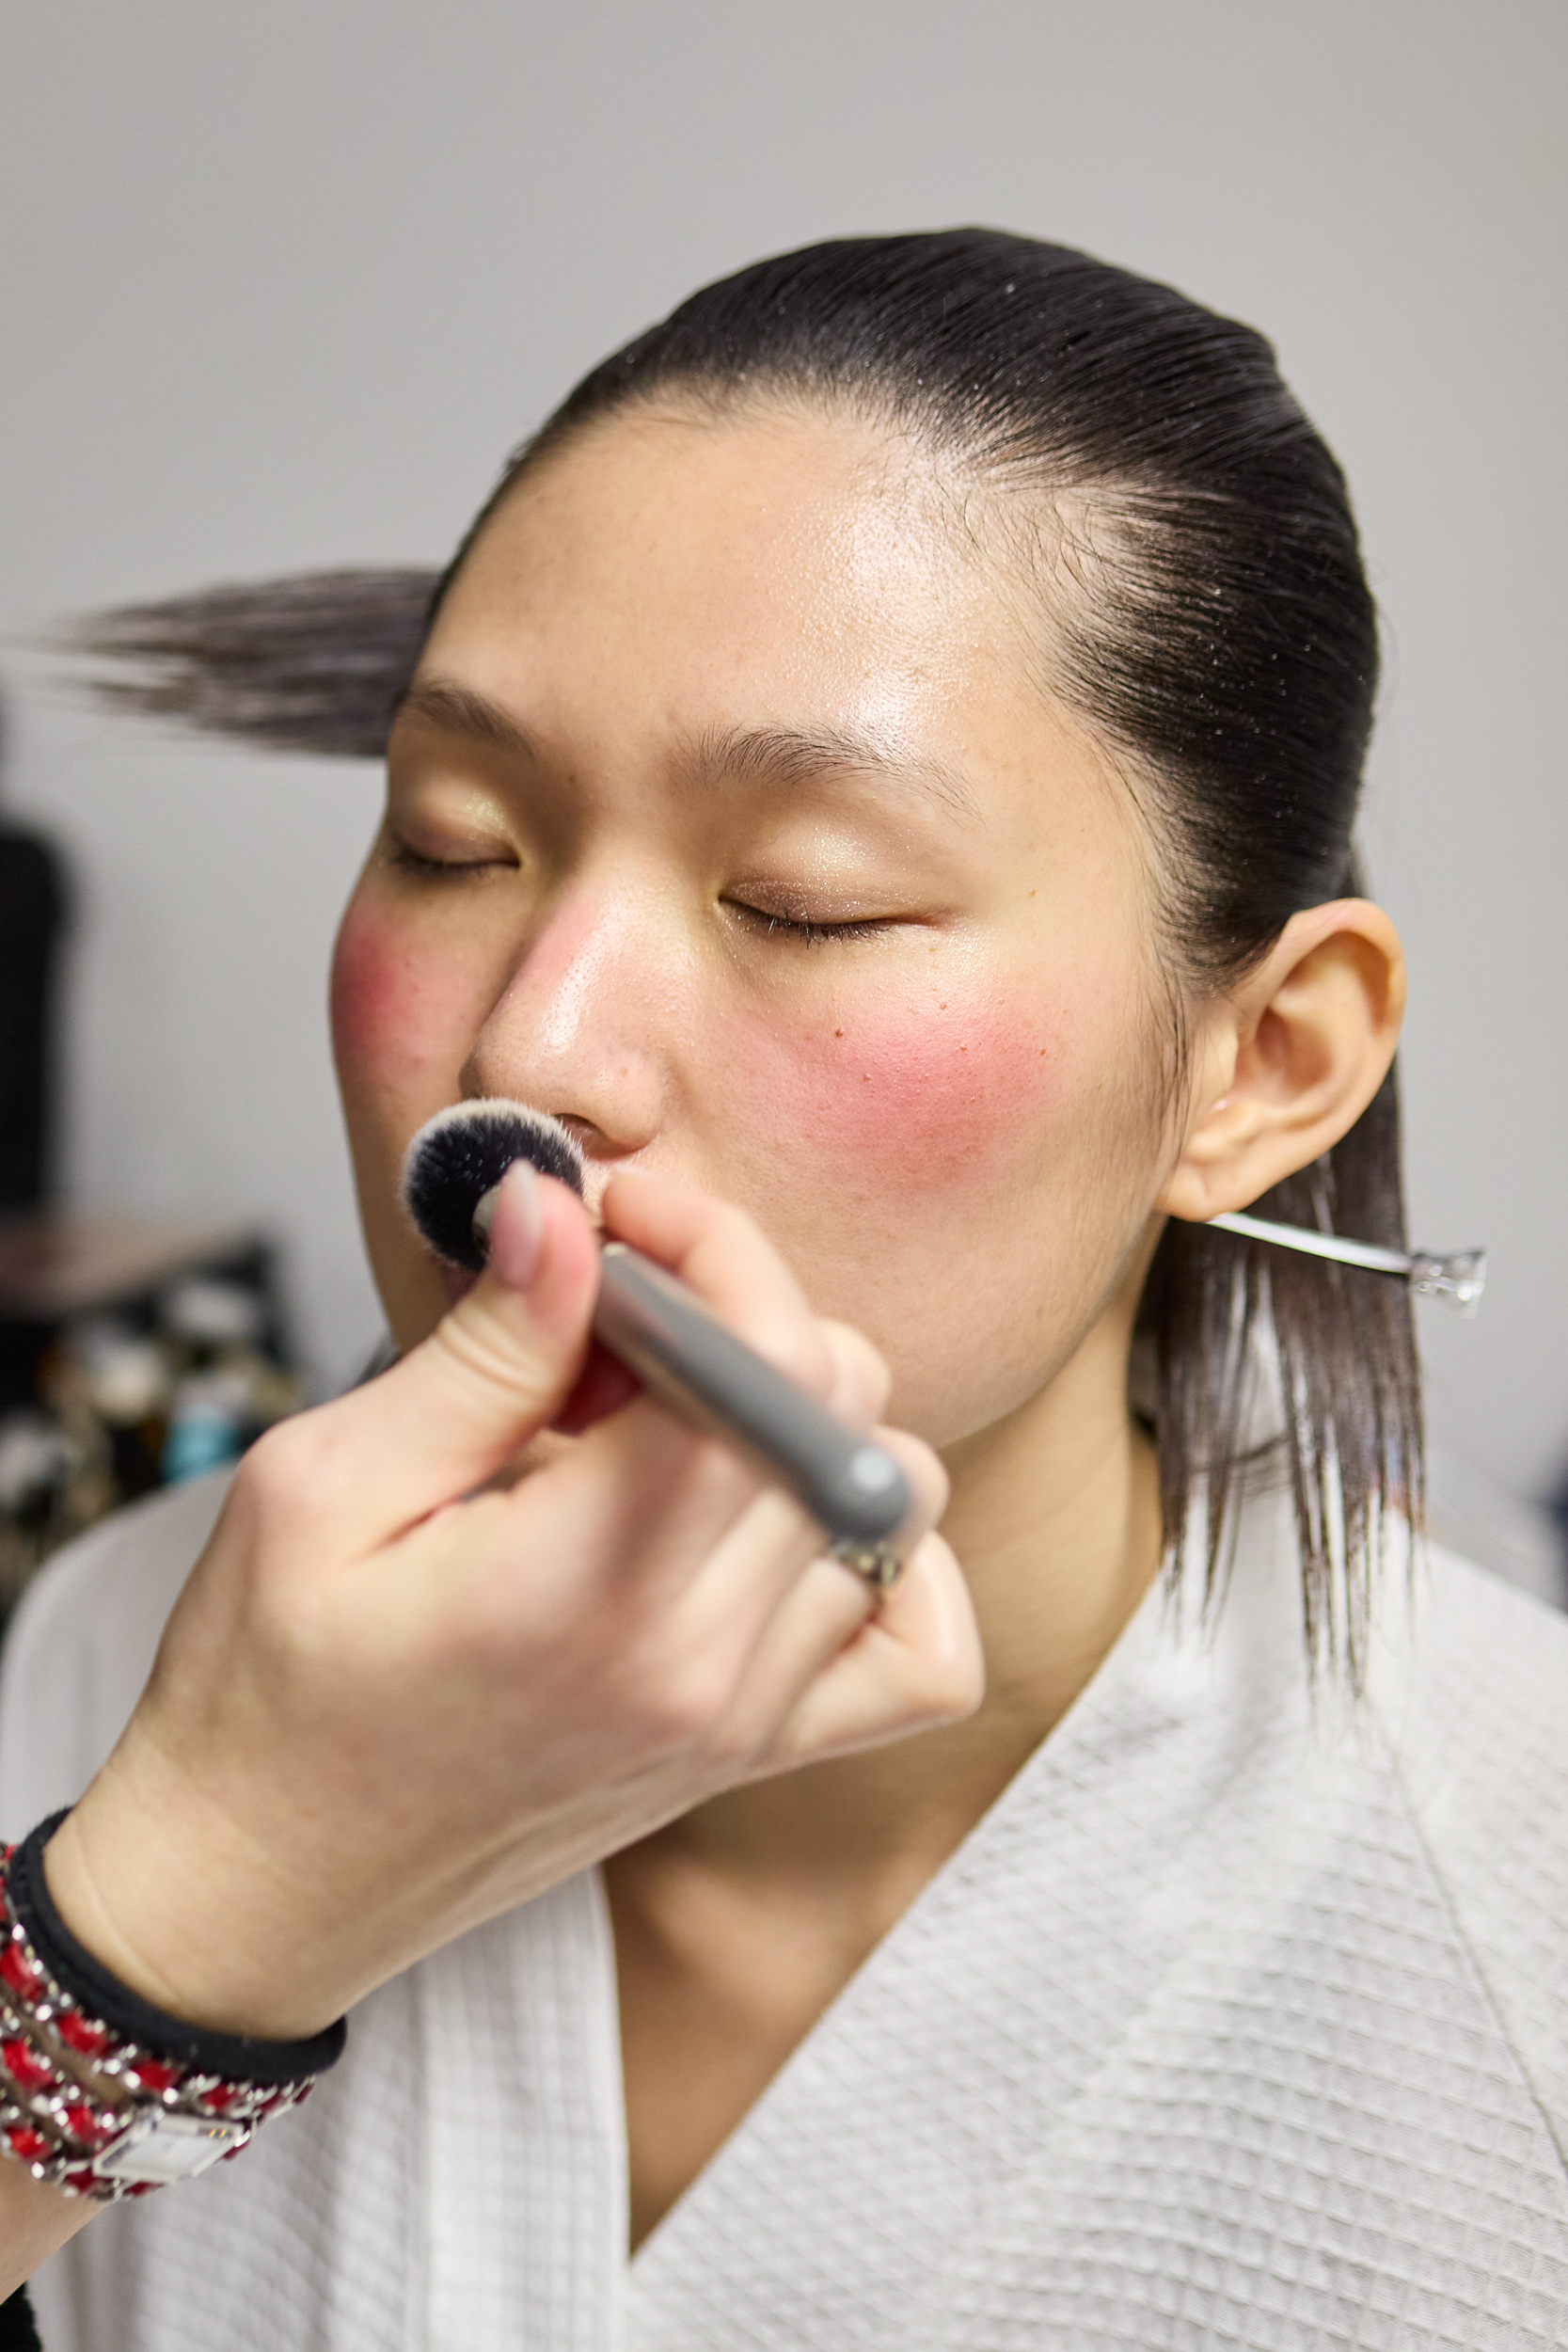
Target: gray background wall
279,285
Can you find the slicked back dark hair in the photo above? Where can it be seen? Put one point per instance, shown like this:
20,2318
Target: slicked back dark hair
1206,613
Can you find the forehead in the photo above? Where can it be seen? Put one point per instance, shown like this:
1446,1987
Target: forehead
769,556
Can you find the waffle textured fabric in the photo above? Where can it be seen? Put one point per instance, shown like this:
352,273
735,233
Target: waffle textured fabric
1235,2024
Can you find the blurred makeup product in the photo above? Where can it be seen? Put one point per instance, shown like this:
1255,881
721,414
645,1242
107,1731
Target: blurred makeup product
1458,1279
660,1330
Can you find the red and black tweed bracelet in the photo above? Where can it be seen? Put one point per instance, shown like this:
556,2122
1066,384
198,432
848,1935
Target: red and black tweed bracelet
101,2095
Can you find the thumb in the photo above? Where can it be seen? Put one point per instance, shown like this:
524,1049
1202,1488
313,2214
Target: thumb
492,1373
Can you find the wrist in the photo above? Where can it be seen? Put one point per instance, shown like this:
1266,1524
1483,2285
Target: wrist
101,2095
159,1889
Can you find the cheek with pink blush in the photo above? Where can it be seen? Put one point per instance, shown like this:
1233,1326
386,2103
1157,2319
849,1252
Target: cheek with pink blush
906,1095
397,1008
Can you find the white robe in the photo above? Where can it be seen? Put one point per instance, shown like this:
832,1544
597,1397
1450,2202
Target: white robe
1229,2026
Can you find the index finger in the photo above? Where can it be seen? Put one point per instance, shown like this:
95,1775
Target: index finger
723,1255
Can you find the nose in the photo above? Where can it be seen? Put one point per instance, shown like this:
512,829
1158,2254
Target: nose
579,1029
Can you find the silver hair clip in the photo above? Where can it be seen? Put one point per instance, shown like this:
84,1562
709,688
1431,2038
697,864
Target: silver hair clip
1458,1279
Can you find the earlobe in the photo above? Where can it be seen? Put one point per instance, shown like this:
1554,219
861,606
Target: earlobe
1291,1058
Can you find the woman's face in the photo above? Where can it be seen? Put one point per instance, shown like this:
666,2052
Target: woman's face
726,820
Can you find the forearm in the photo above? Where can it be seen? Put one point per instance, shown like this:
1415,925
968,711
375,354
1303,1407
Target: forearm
35,2222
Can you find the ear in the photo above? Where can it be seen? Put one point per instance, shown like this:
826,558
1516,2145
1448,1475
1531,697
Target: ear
1288,1061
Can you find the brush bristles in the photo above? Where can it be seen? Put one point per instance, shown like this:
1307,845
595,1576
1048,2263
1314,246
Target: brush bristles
463,1153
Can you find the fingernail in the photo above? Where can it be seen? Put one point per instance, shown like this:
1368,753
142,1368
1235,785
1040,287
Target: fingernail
516,1228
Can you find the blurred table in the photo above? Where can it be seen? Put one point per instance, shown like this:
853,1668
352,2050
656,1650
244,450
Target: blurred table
132,1351
55,1263
59,1265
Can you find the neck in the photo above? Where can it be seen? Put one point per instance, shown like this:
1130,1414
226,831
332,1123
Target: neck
1055,1520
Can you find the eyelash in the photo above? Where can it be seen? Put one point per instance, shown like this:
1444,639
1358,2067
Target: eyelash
808,935
409,861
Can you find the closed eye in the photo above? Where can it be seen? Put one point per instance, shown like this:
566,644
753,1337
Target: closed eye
411,861
808,933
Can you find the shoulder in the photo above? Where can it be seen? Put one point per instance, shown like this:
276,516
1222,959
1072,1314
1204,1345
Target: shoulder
1471,1689
1469,1679
82,1643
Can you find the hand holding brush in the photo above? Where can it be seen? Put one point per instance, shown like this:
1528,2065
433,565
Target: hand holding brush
402,1693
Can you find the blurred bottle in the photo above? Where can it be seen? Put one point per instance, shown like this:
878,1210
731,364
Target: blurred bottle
53,1481
226,1391
122,1378
206,1425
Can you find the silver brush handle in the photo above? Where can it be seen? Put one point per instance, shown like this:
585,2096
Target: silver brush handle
855,1487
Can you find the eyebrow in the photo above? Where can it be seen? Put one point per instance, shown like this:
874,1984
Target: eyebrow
762,754
774,755
456,709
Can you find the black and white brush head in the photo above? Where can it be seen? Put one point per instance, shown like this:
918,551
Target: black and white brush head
462,1153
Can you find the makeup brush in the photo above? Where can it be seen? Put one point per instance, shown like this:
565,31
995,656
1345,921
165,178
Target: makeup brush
661,1331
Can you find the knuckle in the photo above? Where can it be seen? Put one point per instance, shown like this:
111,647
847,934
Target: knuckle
286,1468
957,1686
685,1700
269,1462
947,1687
735,1746
295,1476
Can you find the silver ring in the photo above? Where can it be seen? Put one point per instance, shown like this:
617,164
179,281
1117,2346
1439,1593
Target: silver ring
877,1565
